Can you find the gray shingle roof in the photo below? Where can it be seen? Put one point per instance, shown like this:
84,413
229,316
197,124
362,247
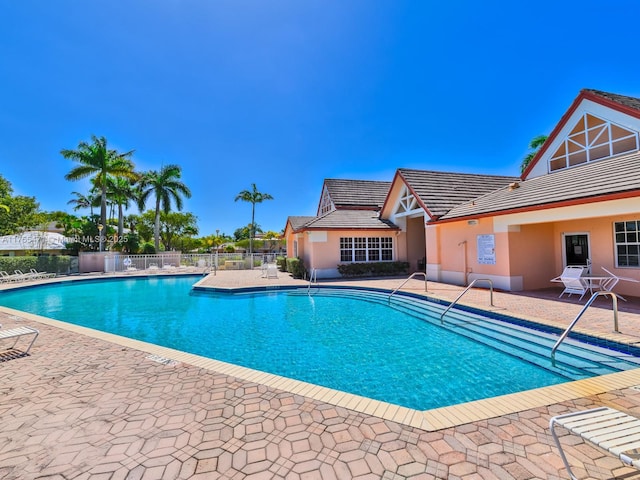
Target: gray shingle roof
603,177
357,193
297,222
442,191
351,219
632,102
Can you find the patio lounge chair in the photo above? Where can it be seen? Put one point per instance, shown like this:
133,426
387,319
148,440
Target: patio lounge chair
17,333
6,278
23,277
38,274
571,278
607,428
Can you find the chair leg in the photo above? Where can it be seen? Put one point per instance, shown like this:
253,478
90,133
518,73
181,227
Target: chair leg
560,450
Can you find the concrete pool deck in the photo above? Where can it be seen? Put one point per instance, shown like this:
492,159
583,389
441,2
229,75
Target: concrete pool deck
93,406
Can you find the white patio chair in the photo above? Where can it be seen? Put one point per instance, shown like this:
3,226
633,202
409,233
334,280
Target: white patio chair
571,278
608,284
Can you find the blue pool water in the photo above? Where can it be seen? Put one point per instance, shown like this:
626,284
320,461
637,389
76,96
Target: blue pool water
352,342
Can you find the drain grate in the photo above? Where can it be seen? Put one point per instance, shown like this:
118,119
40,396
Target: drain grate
162,360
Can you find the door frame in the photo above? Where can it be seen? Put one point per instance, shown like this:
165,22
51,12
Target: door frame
564,247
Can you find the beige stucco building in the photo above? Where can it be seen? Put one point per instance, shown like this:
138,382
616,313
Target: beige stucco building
577,203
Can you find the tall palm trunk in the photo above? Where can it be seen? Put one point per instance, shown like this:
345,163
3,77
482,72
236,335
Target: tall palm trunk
103,216
120,221
156,226
252,230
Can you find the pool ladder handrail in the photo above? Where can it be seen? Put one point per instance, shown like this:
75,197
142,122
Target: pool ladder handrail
614,300
409,278
313,278
451,305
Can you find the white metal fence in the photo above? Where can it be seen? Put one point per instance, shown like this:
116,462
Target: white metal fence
194,261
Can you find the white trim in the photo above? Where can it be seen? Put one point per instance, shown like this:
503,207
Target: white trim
406,205
624,206
564,246
586,106
615,244
503,282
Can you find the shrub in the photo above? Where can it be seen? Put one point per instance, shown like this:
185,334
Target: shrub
373,269
282,263
60,264
295,266
147,248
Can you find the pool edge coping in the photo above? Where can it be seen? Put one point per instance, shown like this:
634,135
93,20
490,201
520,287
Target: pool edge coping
428,420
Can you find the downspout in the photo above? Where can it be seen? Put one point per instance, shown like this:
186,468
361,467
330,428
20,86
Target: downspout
464,260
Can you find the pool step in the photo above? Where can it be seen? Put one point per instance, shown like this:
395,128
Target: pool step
574,360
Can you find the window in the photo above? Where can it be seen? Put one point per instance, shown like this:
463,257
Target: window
592,138
346,249
363,249
627,241
326,205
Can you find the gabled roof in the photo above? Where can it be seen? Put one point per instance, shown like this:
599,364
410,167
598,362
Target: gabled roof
357,193
615,177
621,103
631,102
439,192
350,220
299,221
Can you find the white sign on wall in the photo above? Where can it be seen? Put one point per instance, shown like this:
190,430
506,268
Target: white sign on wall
487,249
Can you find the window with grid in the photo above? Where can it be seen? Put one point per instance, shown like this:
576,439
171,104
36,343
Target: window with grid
363,249
627,239
346,249
386,248
360,249
593,138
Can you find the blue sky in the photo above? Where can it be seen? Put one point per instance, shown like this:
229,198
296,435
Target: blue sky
285,93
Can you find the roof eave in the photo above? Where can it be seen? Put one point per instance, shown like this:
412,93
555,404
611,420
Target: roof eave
545,206
583,95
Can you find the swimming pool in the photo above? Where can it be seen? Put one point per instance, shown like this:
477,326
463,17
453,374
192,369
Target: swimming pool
349,340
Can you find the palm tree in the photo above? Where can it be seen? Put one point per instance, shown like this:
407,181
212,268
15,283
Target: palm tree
81,201
165,185
99,161
534,147
253,196
121,192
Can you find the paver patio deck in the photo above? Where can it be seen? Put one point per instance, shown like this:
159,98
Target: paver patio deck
82,406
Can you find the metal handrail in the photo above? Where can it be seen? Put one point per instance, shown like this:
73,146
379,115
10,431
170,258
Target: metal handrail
465,291
403,283
614,299
313,277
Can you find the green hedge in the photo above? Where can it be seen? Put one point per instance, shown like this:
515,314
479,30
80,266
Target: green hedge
295,267
282,263
60,264
373,269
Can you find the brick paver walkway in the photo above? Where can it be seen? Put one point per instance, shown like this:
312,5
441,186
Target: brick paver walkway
83,408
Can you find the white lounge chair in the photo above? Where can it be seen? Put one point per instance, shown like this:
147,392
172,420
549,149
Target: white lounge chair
613,281
607,428
23,277
38,274
6,278
571,278
17,333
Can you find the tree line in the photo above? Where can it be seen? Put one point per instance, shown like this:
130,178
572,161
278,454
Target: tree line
116,185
